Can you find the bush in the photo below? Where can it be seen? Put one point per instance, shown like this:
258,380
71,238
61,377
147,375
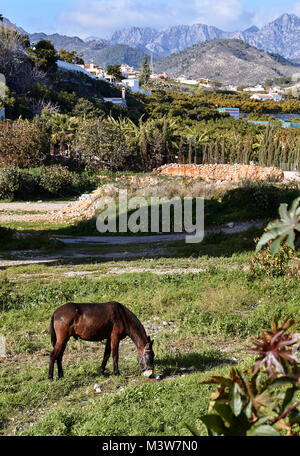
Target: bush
263,263
22,144
54,179
9,182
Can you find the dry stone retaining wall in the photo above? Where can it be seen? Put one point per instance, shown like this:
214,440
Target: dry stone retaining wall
233,173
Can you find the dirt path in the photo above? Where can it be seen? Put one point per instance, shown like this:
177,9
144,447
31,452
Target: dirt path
89,247
29,211
123,240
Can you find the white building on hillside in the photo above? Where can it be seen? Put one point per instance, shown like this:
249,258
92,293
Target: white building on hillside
65,66
134,86
93,69
257,88
183,80
267,96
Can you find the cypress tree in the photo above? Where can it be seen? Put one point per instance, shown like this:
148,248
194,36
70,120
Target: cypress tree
145,71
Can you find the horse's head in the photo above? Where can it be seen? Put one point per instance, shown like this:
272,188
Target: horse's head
146,358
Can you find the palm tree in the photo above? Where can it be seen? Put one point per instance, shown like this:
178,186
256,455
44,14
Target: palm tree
64,129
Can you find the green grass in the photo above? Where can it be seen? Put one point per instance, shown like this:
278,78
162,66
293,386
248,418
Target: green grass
211,315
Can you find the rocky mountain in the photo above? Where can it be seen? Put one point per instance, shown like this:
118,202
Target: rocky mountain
230,61
137,37
281,36
165,42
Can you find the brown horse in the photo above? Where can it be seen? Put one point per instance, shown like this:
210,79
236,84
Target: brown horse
95,322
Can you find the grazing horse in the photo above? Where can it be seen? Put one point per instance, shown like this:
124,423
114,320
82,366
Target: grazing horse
95,322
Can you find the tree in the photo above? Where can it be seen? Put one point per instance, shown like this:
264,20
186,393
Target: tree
115,70
1,18
145,73
101,145
71,57
18,69
64,129
44,56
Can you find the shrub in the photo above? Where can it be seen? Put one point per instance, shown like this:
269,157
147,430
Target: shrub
54,179
9,182
264,263
21,144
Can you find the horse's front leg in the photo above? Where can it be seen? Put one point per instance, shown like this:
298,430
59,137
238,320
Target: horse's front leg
115,342
107,353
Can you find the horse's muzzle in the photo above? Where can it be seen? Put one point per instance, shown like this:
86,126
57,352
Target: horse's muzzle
148,373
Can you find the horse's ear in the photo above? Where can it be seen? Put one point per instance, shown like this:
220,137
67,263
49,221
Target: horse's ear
150,342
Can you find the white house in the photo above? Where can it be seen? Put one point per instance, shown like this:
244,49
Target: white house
257,88
2,114
183,80
267,96
93,69
134,86
65,66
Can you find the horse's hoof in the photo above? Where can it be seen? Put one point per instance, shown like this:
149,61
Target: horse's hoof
101,372
50,379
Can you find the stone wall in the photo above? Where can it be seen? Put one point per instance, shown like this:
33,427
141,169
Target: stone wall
232,173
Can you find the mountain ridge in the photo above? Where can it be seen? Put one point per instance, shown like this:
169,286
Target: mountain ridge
281,36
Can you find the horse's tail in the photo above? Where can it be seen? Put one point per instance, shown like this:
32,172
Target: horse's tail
52,331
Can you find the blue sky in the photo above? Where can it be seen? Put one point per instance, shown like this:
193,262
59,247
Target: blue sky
102,17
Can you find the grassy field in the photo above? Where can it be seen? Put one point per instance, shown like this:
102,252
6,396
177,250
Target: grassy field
200,303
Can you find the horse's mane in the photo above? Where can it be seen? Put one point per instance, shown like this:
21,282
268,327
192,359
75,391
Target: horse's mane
133,326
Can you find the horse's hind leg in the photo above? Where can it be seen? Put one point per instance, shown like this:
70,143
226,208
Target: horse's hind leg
56,355
107,353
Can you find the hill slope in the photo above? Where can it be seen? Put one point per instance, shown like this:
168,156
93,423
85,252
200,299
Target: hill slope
230,61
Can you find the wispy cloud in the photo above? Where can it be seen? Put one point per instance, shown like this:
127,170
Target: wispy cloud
105,16
102,17
226,14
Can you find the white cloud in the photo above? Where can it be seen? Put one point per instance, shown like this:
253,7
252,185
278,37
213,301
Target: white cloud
296,8
102,17
226,14
105,16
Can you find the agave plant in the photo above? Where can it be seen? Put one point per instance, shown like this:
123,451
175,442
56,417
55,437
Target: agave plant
274,348
252,403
